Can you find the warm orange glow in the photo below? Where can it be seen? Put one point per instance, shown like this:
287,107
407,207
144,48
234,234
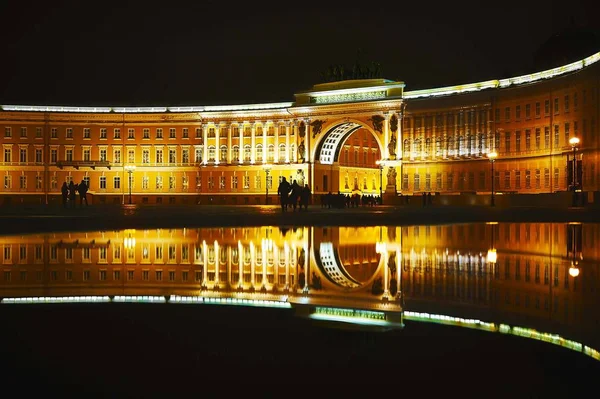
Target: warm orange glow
492,256
492,155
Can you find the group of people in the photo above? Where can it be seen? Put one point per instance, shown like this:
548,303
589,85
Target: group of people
340,200
293,195
69,193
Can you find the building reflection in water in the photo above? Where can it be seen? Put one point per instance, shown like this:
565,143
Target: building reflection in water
494,276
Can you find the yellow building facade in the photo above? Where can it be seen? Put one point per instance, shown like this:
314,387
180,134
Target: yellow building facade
360,136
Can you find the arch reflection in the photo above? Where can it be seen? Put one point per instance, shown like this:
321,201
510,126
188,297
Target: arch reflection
372,275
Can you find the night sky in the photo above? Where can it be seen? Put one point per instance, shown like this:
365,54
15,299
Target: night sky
219,52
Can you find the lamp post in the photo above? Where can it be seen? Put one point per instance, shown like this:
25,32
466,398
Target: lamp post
492,157
130,169
574,141
380,165
267,172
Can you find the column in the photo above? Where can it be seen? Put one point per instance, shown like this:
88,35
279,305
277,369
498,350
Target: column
399,145
264,154
287,141
217,145
253,145
386,135
229,145
241,144
276,137
205,143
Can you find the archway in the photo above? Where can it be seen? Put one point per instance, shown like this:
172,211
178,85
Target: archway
345,159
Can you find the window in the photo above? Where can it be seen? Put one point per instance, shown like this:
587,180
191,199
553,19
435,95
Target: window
171,182
7,132
185,155
87,133
146,134
87,154
518,141
103,182
22,182
547,178
537,138
172,157
518,112
198,133
556,176
527,179
145,155
7,155
507,142
159,182
507,114
537,110
159,133
69,133
567,103
528,111
23,155
131,156
547,107
23,132
506,180
221,182
69,154
185,183
131,134
185,133
537,179
103,133
172,133
198,155
38,182
518,179
556,106
117,156
117,133
7,181
159,156
145,182
38,132
527,140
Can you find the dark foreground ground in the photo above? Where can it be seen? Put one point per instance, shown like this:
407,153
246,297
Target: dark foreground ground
142,350
24,219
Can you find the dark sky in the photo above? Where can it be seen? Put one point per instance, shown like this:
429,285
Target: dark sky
218,52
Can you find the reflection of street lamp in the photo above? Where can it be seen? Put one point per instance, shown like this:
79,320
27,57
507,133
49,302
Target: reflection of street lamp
130,169
574,269
492,156
267,171
380,164
492,256
574,141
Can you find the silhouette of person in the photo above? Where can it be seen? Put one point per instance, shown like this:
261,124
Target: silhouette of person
305,197
82,188
283,190
72,194
295,194
65,193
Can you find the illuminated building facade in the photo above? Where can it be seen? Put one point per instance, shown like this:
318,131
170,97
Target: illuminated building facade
334,137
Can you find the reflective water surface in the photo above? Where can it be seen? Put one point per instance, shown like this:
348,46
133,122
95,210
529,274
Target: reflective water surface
536,280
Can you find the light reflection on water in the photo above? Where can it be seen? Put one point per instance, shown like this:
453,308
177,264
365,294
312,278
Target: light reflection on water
537,280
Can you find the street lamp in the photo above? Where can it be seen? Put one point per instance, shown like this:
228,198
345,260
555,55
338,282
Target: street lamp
574,269
492,156
380,164
267,171
574,141
130,169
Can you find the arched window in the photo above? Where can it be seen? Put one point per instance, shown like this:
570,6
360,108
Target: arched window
406,148
480,144
223,153
211,153
438,147
236,153
259,153
271,153
427,147
247,153
281,153
417,148
450,146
